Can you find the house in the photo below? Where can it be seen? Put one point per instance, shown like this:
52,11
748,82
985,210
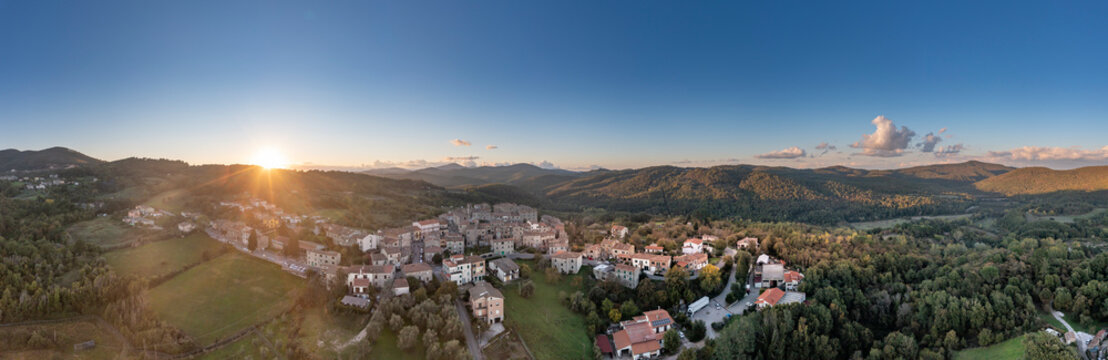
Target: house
370,242
692,262
627,275
427,227
319,258
653,249
464,269
593,251
775,296
503,246
747,243
605,346
360,278
505,269
692,246
486,302
420,271
566,262
378,259
603,272
642,337
773,274
400,287
619,232
792,280
557,246
186,227
621,249
537,238
430,251
651,264
454,243
397,255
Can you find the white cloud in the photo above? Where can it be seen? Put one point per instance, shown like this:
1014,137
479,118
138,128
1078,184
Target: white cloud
491,147
467,161
1045,153
941,131
886,141
788,153
460,142
929,141
545,165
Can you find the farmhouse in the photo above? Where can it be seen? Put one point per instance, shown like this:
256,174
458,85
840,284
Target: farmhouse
641,337
692,246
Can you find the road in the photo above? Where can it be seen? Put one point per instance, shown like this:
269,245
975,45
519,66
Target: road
471,341
711,315
1080,342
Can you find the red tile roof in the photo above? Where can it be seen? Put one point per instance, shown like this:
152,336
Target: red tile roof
771,296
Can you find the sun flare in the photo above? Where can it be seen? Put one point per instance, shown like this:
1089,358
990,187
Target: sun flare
269,158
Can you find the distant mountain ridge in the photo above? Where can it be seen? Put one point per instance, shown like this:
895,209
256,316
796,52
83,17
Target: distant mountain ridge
454,175
52,158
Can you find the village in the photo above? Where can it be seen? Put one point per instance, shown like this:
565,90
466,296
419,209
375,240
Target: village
476,247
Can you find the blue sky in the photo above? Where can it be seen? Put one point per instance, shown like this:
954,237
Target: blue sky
616,84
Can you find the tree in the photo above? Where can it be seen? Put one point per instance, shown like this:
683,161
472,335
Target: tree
677,280
615,316
292,248
628,308
697,331
525,271
710,278
430,337
396,322
252,241
407,337
437,259
527,289
1041,345
688,354
672,341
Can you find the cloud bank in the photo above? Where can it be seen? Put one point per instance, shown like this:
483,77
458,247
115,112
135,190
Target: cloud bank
460,142
788,153
1044,153
825,147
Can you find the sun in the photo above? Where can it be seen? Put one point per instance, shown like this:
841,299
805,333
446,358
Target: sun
269,158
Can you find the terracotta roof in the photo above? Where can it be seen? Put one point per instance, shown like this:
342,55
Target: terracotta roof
566,255
414,268
400,283
604,344
793,276
694,241
626,267
646,347
621,339
361,282
771,296
429,222
483,289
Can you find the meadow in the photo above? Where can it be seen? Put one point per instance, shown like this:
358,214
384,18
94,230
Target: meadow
548,328
223,296
1011,349
108,232
67,334
163,257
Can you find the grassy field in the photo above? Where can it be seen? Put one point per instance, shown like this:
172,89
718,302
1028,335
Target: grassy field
68,334
888,223
223,296
550,329
1066,219
249,347
322,333
162,257
1051,320
171,200
1011,349
385,348
105,231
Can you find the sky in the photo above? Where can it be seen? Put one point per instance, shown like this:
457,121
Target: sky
568,84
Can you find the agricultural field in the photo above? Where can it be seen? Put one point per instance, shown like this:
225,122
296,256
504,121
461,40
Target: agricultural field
1011,349
171,200
67,334
249,347
163,257
223,296
549,328
108,232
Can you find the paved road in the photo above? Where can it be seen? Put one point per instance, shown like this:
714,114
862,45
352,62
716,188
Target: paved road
711,315
1080,343
471,341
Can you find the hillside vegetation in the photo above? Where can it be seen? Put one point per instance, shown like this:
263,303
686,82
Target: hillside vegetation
1039,180
55,157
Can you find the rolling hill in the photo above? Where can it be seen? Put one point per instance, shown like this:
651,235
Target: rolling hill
52,158
454,175
1039,180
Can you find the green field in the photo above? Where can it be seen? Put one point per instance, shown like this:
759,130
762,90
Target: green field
162,257
1011,349
171,200
249,347
1051,321
550,329
106,231
223,296
385,348
1065,219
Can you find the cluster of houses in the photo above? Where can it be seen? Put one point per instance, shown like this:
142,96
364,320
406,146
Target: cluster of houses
629,264
40,183
640,338
146,216
771,274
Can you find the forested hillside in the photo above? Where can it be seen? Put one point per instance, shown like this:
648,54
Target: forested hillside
55,157
1038,180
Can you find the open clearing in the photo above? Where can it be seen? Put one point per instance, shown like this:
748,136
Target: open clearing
550,329
385,348
1011,349
107,232
171,200
68,334
223,296
163,257
1065,219
888,223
